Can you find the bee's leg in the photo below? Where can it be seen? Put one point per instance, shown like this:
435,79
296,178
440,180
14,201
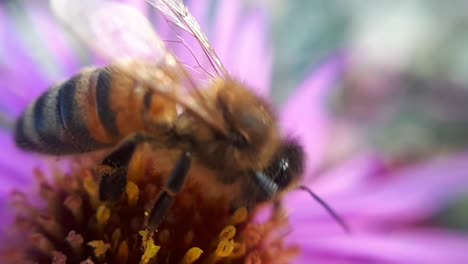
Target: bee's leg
174,185
113,183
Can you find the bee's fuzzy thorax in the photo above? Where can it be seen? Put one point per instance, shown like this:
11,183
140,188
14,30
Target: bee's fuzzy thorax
251,135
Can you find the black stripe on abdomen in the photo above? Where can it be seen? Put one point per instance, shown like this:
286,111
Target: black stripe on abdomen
22,139
72,119
48,125
103,103
39,128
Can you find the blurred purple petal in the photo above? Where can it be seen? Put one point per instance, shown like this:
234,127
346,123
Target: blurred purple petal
411,194
15,166
51,33
199,10
138,4
5,218
190,52
415,192
251,58
226,23
425,246
305,117
347,176
21,79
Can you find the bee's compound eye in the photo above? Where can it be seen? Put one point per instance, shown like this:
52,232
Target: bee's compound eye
283,175
238,140
288,165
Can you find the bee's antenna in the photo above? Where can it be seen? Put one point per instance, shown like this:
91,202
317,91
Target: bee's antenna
335,216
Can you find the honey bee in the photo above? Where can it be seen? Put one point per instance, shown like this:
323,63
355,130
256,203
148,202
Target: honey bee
223,127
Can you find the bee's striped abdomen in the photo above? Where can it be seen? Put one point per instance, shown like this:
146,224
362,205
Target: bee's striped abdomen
55,123
94,109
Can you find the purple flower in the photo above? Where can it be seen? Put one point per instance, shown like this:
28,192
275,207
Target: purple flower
386,210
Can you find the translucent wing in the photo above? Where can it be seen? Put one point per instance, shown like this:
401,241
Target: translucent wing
113,30
117,32
177,13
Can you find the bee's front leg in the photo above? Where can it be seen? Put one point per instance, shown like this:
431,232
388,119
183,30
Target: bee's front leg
174,185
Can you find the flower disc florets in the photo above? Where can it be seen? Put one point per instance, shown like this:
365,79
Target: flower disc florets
73,226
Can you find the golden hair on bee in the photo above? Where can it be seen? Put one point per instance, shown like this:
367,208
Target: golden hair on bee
252,136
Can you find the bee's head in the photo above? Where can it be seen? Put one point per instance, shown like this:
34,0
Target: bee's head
284,171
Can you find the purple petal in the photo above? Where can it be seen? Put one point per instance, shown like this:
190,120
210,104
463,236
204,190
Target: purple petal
408,195
305,115
54,38
396,247
199,10
346,176
416,192
5,216
21,79
16,167
138,4
337,184
226,24
192,48
251,57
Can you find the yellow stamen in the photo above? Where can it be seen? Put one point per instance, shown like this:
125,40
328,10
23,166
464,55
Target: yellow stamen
122,253
115,238
132,193
100,248
151,250
192,255
103,215
238,251
227,233
239,216
225,248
